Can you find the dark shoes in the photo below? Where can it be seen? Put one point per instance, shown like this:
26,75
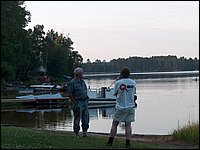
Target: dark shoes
85,134
77,135
109,145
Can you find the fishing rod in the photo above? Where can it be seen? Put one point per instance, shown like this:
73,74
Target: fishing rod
118,78
111,84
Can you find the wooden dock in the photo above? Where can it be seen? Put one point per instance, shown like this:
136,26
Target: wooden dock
60,102
34,100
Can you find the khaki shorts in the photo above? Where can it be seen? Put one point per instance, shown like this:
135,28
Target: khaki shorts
124,115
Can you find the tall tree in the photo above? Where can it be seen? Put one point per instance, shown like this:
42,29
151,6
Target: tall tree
37,39
60,55
14,19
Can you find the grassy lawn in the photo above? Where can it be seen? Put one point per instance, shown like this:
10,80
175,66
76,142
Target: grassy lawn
24,138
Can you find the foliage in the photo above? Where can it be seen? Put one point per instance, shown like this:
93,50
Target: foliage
14,19
29,53
59,55
143,64
188,133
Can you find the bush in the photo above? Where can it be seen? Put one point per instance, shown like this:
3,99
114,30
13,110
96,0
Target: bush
188,133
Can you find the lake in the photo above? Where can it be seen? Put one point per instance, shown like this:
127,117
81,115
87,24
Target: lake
164,104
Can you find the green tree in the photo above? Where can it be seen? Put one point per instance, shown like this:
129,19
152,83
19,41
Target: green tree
37,54
14,18
60,57
144,64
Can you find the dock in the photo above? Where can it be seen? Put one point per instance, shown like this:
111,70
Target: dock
50,102
60,102
34,100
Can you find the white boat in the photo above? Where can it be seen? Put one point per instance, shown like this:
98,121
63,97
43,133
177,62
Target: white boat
26,91
103,96
45,86
39,110
43,96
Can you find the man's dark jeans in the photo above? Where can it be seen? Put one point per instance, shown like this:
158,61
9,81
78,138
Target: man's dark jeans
81,113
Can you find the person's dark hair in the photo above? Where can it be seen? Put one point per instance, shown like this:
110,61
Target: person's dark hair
125,73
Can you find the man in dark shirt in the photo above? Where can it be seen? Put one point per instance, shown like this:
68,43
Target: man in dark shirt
78,95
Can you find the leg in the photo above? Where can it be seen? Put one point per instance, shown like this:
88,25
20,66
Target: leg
113,130
128,130
85,120
128,134
76,126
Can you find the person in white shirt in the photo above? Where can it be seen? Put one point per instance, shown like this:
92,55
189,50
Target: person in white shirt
125,91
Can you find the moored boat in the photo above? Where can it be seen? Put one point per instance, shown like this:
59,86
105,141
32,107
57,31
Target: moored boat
45,86
103,96
43,96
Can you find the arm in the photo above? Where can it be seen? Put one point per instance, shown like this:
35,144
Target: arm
115,90
70,90
135,97
72,98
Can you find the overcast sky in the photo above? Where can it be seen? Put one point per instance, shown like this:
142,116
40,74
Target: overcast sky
120,29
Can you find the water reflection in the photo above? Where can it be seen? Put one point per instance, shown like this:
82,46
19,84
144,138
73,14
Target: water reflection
51,119
162,104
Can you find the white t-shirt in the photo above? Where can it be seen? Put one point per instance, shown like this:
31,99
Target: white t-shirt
124,90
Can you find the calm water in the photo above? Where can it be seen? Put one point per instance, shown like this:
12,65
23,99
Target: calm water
163,105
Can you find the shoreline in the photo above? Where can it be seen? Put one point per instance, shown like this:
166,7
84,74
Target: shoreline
165,140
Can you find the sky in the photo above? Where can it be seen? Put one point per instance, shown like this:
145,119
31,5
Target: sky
107,30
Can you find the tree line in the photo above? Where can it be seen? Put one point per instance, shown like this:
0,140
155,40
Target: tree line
27,53
143,64
31,52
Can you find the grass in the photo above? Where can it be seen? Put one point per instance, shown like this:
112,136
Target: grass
188,133
24,138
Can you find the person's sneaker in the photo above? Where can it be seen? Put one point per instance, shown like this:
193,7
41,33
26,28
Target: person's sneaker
77,134
84,134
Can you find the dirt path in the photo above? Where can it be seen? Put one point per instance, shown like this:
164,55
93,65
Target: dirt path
165,140
156,139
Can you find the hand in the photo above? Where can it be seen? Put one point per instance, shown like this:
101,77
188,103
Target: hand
135,97
75,102
135,104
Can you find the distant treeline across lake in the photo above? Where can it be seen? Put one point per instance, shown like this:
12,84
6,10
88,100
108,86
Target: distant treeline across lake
146,74
143,64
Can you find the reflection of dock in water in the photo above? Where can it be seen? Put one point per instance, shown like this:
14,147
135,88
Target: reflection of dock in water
90,106
105,112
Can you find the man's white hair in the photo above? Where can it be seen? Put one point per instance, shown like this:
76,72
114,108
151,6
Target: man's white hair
78,70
